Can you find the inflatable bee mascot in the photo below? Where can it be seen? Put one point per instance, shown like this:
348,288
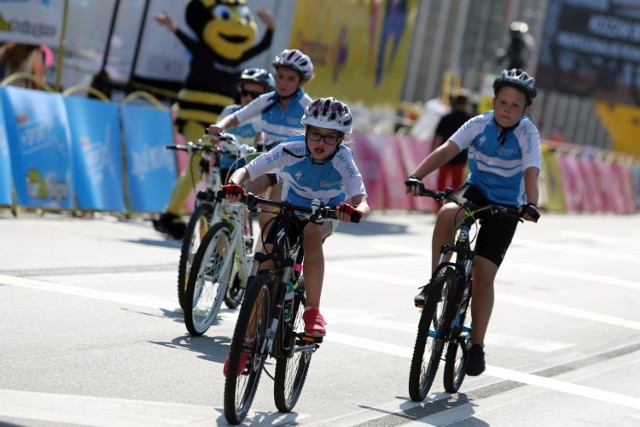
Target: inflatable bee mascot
226,31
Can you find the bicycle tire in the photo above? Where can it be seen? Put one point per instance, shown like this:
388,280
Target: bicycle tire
456,357
292,366
429,343
196,229
206,289
253,322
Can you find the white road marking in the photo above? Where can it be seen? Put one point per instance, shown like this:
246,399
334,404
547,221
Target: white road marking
102,411
88,293
550,271
570,311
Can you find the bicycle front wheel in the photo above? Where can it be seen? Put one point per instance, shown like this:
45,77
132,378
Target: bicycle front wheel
456,357
247,355
431,335
196,229
207,285
293,364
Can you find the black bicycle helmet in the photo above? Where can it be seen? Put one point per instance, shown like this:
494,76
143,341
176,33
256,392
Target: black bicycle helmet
519,79
260,76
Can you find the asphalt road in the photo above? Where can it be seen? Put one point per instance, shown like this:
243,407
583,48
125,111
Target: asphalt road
91,334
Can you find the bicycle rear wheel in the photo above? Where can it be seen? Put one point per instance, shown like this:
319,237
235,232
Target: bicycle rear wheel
196,229
292,365
207,285
456,357
247,345
431,335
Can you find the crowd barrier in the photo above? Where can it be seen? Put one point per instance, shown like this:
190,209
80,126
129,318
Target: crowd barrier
78,153
573,178
64,152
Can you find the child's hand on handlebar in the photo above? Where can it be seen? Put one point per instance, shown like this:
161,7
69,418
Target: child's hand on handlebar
530,212
347,213
214,129
232,191
413,185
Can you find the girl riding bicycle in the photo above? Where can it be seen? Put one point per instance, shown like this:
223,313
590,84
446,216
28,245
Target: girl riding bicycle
316,165
504,163
280,111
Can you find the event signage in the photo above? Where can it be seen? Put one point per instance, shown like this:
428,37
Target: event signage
32,21
151,168
5,163
97,154
38,134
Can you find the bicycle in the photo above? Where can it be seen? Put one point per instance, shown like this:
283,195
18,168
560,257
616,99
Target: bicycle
267,325
445,317
220,268
206,210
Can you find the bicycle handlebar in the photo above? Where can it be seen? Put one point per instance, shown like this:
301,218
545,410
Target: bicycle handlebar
466,204
316,213
231,146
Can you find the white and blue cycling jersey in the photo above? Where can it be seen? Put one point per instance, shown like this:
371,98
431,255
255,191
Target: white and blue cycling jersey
276,123
245,134
498,157
332,182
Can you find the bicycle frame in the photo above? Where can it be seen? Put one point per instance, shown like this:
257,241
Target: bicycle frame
240,263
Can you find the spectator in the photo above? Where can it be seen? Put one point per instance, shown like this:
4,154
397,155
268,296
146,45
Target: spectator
22,58
452,173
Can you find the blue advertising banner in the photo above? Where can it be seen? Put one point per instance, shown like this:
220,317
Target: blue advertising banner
5,162
39,147
151,168
97,154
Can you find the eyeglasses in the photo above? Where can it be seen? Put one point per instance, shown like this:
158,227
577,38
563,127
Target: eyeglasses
328,139
251,93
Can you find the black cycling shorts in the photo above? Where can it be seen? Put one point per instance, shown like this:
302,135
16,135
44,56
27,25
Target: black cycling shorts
495,233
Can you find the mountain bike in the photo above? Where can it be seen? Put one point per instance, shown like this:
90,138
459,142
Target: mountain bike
267,325
206,210
220,268
446,318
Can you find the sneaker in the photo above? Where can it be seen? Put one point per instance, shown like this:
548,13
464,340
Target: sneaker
170,224
475,363
244,357
421,298
314,322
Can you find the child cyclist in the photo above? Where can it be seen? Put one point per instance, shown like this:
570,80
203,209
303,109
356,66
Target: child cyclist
279,111
315,165
504,163
252,83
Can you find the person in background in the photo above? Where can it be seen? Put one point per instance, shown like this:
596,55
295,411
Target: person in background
451,174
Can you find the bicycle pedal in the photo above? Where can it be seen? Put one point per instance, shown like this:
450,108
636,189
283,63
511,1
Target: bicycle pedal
308,338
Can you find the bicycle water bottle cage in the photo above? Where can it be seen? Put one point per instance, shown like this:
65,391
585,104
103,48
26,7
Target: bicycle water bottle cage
205,162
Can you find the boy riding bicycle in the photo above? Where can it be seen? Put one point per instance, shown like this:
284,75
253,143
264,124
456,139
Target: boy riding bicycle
315,165
504,163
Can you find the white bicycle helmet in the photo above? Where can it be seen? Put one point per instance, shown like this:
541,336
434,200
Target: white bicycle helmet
297,61
519,79
328,113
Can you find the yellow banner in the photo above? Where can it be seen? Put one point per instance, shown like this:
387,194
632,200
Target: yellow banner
622,123
359,48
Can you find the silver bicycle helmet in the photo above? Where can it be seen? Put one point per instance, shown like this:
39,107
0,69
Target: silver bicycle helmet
295,60
328,113
260,76
519,79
